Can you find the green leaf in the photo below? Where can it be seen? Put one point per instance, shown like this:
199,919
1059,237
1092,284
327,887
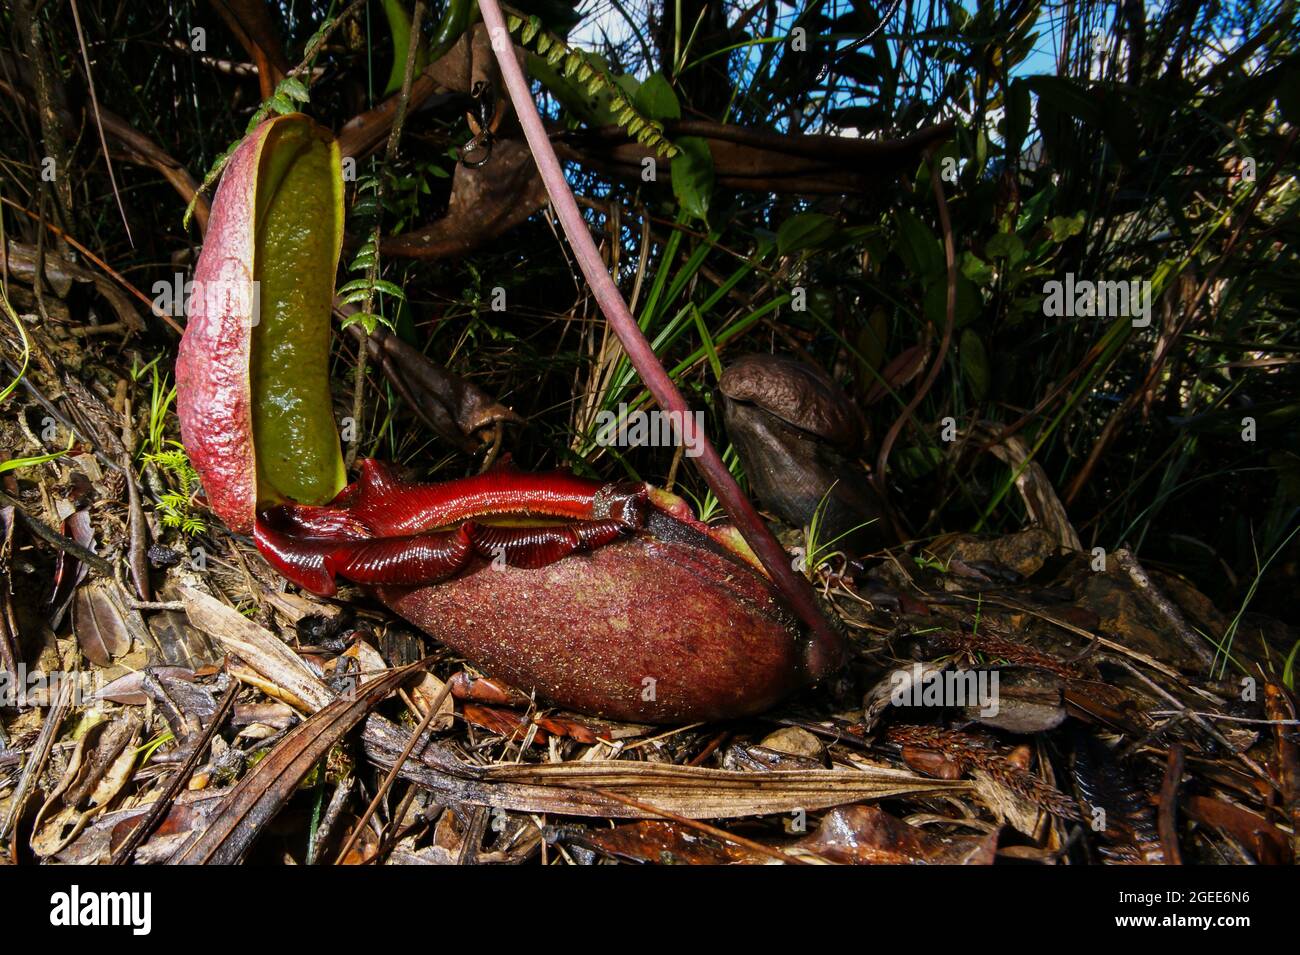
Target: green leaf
1067,95
706,340
821,303
656,99
918,246
388,288
14,463
360,295
365,207
916,462
399,28
807,230
294,88
692,173
872,340
1062,227
975,268
352,286
1035,209
969,302
1005,245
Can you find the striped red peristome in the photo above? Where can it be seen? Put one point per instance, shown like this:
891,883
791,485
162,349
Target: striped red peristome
383,531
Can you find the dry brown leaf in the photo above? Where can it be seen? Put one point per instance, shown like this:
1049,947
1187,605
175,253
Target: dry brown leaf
100,766
258,797
869,835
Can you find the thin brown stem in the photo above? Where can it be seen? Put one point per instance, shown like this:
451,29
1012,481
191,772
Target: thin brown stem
827,649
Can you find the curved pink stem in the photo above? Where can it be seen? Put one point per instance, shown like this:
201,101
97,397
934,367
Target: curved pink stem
828,648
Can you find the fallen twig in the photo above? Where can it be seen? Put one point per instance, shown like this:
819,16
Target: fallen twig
99,565
180,778
1162,604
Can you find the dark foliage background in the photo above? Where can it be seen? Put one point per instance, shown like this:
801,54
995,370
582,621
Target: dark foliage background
1101,140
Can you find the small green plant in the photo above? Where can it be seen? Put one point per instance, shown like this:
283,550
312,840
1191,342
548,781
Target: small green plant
366,213
161,399
14,464
1225,647
27,346
1288,668
927,561
177,505
708,508
146,750
817,553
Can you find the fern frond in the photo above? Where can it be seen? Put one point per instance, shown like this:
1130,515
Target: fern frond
580,67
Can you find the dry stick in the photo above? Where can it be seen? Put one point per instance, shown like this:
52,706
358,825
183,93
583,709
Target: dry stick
98,262
390,839
827,649
950,308
44,745
99,123
420,730
1204,724
1162,604
1278,706
138,532
1167,819
1225,717
99,565
1119,648
163,804
342,790
47,83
